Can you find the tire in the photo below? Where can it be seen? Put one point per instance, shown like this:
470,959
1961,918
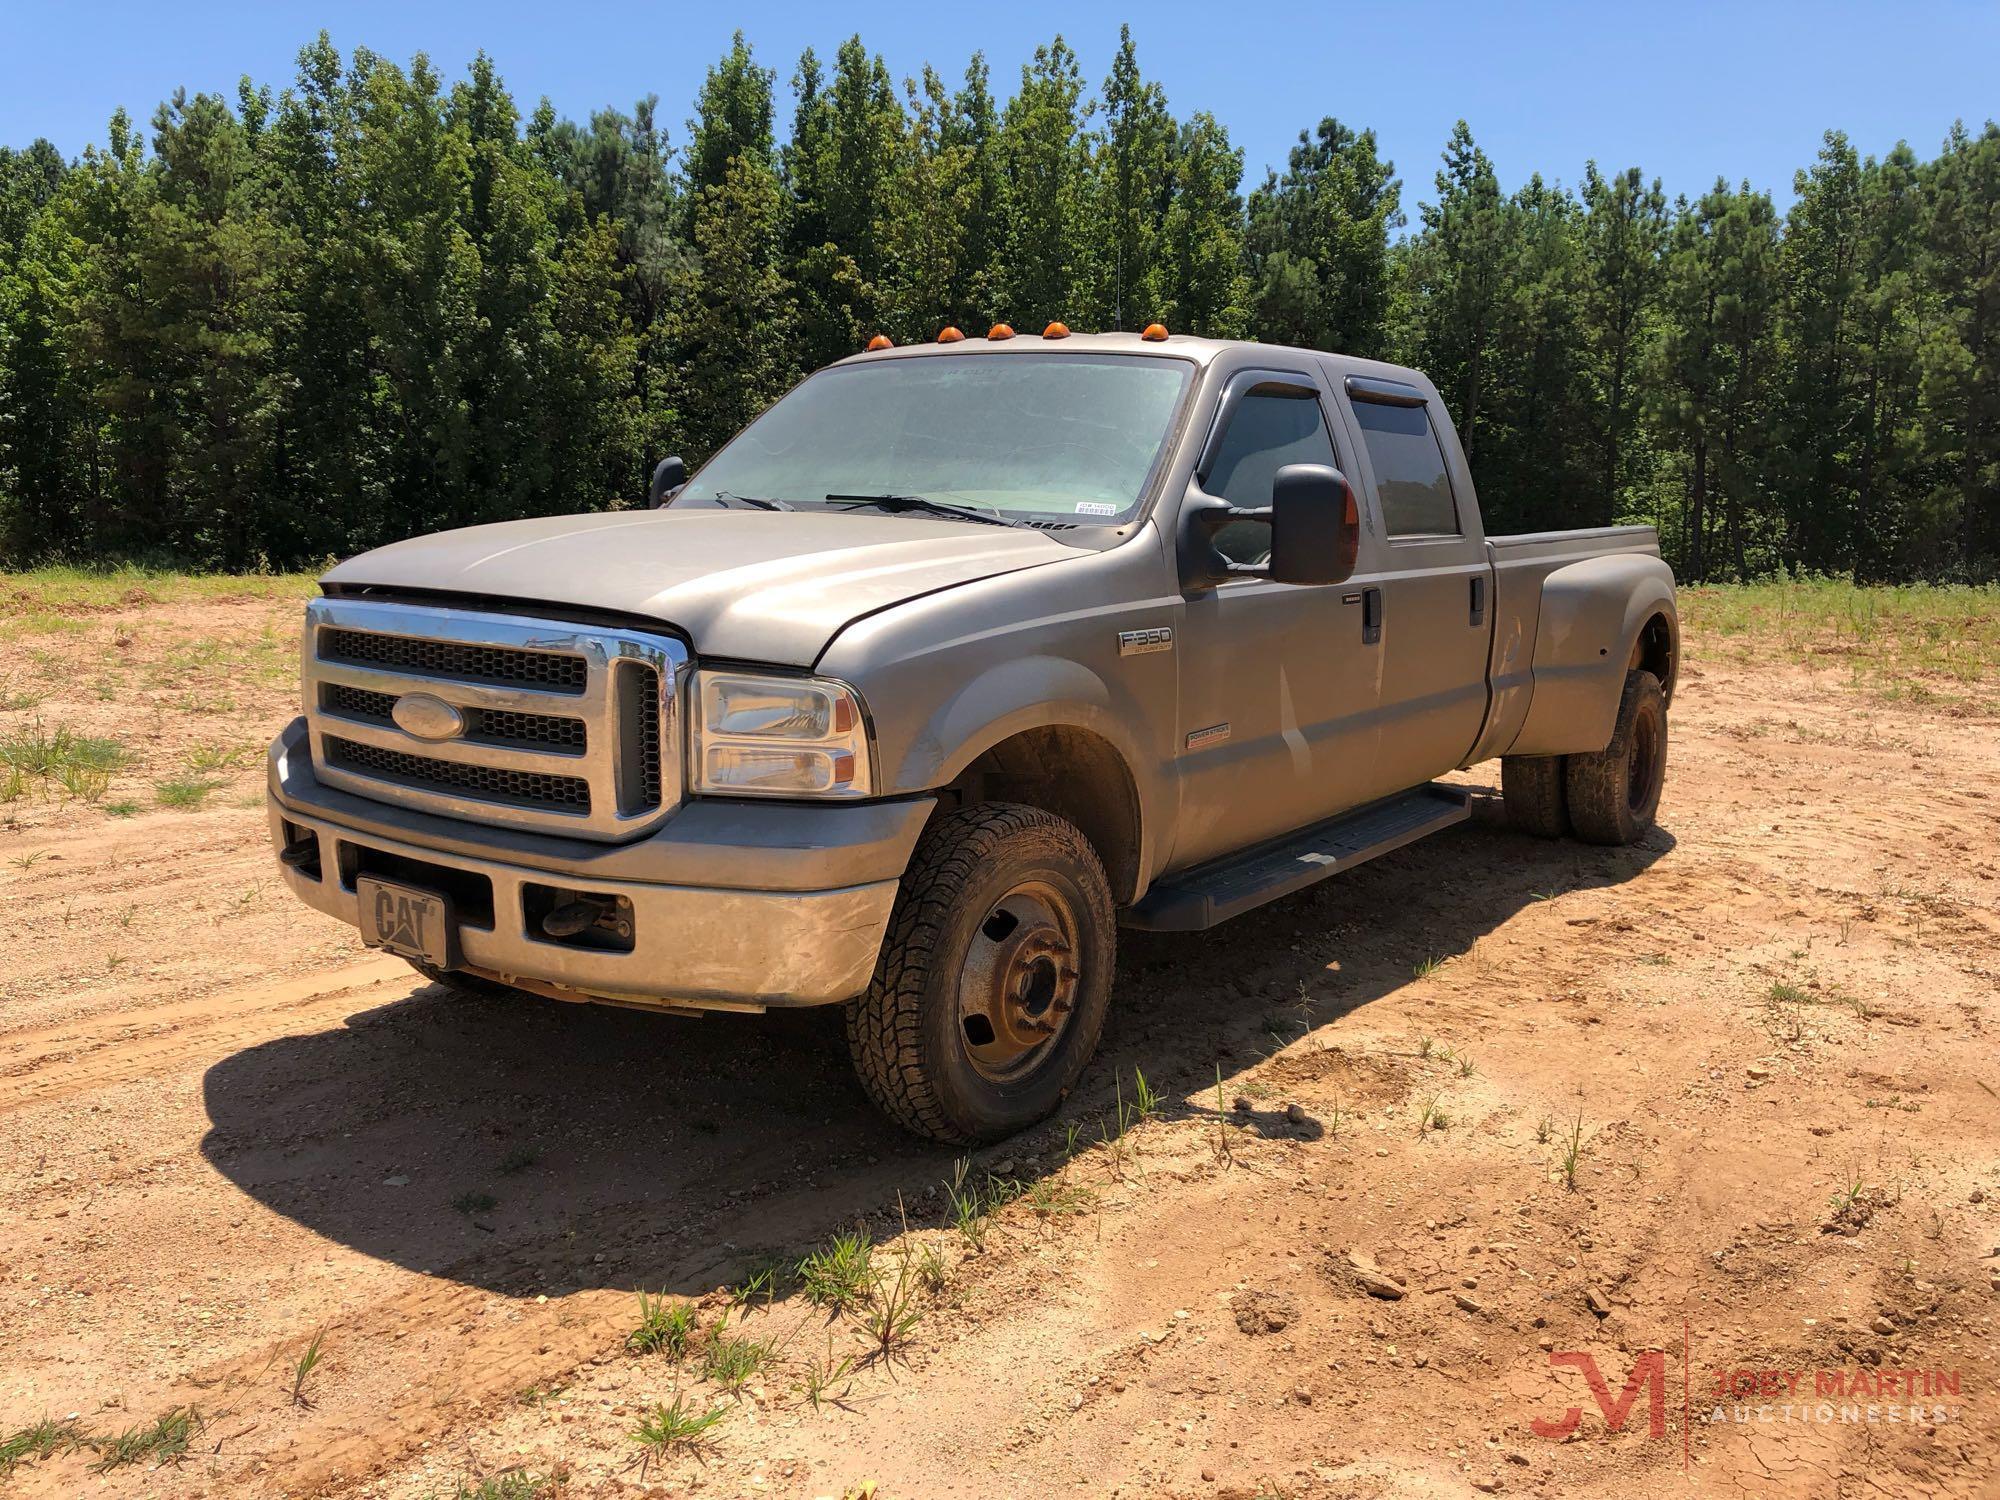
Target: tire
994,976
1531,790
1614,794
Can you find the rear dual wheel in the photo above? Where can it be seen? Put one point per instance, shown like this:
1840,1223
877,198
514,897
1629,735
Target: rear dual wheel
1610,796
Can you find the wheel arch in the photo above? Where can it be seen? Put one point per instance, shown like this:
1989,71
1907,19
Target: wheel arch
1599,618
1077,774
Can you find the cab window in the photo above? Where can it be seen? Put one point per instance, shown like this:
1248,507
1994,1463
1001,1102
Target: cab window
1273,425
1410,475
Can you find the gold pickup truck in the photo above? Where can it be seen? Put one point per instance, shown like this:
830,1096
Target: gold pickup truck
956,659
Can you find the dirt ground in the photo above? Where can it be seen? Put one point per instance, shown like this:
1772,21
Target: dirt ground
1717,1112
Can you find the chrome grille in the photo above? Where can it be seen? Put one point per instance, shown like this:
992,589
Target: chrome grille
556,726
531,669
496,782
484,726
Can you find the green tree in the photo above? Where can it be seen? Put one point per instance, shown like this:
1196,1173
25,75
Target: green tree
1201,242
1961,357
732,119
1134,187
1624,234
1045,163
735,314
1456,293
1317,243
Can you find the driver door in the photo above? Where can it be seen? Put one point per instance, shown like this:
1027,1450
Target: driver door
1278,692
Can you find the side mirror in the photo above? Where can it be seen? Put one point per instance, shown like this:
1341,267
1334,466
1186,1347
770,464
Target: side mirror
1315,525
668,478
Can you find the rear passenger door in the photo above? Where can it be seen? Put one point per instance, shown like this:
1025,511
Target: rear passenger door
1435,614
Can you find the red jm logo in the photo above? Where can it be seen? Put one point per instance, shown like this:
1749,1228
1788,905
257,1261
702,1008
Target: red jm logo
1650,1370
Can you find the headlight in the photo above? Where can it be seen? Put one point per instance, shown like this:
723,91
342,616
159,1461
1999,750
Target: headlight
771,736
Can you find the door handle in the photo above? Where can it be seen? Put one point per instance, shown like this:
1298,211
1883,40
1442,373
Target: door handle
1371,617
1479,599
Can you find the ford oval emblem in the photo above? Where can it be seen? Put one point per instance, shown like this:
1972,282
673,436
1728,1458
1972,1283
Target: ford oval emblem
427,718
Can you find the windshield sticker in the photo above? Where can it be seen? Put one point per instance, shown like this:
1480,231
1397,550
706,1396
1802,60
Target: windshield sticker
1095,508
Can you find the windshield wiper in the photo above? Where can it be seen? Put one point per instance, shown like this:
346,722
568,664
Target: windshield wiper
925,504
757,500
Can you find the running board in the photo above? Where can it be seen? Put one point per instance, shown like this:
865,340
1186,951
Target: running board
1193,899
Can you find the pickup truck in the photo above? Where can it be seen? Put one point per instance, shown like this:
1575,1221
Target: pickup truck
953,661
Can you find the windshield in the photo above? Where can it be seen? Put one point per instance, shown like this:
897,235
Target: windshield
1070,437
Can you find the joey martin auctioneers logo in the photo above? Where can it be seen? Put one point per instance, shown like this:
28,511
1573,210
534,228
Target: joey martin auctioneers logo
1858,1395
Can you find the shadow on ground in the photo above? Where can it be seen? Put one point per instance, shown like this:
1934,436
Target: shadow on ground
523,1145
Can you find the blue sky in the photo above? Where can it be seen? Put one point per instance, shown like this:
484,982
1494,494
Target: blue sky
1685,91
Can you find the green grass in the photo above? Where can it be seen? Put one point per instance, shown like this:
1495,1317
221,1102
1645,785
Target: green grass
39,1440
515,1484
48,753
164,1440
302,1369
665,1327
475,1202
669,1426
1913,643
184,793
730,1359
1050,1199
62,587
836,1274
208,758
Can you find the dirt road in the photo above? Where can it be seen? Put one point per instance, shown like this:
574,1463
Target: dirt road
1718,1112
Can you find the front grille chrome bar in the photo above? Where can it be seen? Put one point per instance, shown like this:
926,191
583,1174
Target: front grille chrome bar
593,742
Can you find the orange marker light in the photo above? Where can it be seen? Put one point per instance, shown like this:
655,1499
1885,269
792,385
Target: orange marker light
1154,332
999,331
1056,331
881,341
950,336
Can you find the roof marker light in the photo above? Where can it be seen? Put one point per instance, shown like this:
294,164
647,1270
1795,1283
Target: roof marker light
950,335
999,331
1056,331
881,341
1154,333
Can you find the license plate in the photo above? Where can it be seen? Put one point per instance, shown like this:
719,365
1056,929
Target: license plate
409,921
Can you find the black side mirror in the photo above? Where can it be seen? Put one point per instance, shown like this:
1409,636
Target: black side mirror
1315,525
668,478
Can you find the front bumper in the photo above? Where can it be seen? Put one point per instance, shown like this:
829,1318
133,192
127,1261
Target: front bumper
733,905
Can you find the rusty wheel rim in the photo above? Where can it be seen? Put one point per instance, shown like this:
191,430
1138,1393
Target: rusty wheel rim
1018,988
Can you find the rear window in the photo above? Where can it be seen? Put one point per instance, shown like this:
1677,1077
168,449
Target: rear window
1410,475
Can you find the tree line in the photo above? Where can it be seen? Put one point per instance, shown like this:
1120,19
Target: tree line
373,303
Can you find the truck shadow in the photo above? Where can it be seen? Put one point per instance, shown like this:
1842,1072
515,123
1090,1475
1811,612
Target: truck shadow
524,1146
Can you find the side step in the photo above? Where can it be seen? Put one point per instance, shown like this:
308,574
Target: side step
1193,899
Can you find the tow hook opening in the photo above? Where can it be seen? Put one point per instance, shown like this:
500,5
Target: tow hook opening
301,851
578,919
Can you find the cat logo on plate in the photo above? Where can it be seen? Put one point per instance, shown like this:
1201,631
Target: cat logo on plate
1144,642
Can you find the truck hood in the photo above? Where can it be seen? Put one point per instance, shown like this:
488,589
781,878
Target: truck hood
772,586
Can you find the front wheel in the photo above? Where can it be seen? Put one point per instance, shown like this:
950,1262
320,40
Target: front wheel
994,976
1614,794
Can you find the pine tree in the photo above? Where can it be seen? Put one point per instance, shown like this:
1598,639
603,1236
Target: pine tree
1201,241
736,311
1457,293
1134,187
1317,243
1624,237
1045,161
1961,379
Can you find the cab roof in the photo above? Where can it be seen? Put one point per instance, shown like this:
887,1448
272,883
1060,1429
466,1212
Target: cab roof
1201,351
